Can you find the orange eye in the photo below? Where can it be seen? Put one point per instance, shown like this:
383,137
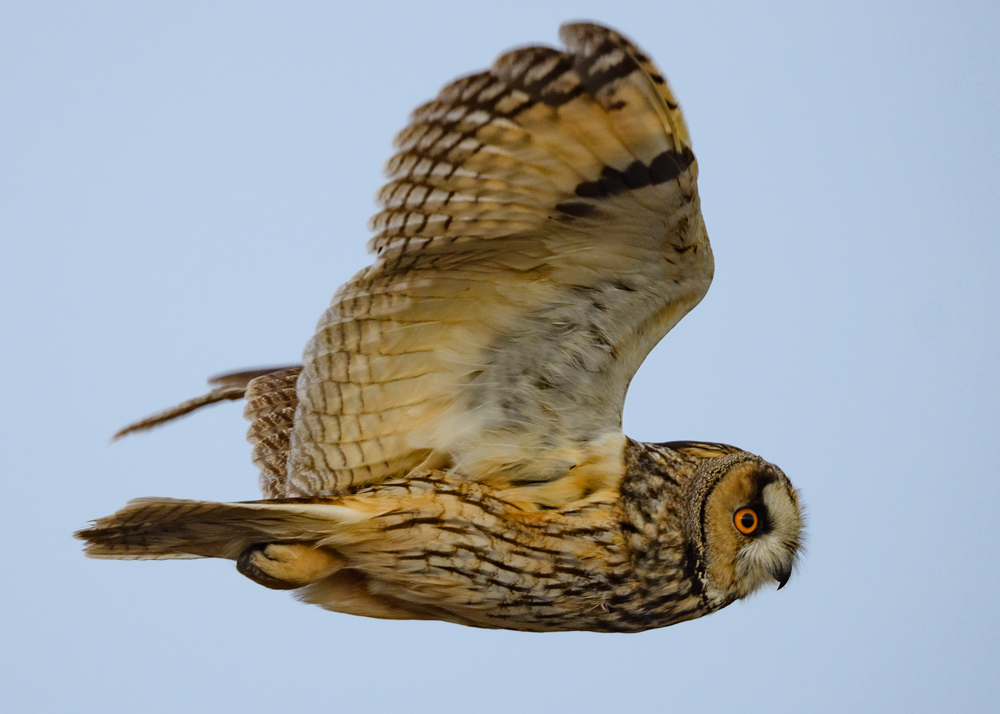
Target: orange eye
745,520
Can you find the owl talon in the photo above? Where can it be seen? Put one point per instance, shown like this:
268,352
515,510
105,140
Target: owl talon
286,566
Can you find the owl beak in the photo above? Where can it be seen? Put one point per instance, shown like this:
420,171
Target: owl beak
782,574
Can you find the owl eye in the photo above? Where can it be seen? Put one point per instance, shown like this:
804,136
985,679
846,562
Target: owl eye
746,521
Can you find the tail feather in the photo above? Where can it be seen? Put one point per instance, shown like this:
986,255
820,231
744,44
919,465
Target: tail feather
160,528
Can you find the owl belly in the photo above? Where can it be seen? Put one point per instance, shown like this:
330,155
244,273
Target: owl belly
459,552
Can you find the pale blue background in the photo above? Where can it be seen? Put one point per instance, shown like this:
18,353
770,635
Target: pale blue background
182,187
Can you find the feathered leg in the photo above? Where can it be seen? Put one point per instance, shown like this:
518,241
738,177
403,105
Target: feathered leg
282,566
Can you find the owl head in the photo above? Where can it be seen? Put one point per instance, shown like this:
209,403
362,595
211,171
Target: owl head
745,523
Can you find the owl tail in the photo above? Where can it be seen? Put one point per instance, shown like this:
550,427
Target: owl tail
159,528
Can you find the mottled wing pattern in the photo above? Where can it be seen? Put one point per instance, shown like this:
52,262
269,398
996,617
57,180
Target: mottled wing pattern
270,408
540,233
225,387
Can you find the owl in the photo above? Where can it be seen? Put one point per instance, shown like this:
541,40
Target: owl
451,447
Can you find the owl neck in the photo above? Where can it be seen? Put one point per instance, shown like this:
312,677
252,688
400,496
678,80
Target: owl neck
655,498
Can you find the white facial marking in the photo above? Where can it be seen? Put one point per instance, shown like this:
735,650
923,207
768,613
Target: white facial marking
774,551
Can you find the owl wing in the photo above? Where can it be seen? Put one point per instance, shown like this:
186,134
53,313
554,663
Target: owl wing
540,233
270,407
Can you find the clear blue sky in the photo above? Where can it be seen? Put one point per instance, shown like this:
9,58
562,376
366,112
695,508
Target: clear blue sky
184,185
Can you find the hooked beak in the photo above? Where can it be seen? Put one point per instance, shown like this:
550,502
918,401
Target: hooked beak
782,574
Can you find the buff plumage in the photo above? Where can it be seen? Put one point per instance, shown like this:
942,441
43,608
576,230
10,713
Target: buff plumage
451,447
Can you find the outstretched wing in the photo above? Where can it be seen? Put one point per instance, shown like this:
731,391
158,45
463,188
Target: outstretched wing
540,233
270,407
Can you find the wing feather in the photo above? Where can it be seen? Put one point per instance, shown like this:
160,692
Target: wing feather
540,232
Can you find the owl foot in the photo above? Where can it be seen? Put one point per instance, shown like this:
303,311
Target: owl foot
287,566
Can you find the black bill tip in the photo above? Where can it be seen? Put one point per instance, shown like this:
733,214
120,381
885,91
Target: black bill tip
782,576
